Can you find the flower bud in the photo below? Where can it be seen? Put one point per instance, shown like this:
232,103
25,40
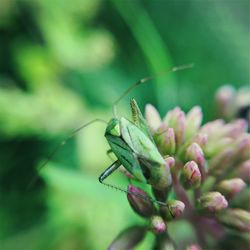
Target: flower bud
165,140
152,116
212,202
231,187
238,219
214,147
128,238
170,161
193,121
235,128
242,146
157,225
201,139
195,153
225,98
191,175
175,209
193,247
221,161
213,129
176,119
140,201
243,171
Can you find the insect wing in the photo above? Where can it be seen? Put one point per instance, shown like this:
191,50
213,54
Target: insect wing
126,156
139,142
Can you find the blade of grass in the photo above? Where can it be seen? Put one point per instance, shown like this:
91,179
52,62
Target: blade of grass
153,47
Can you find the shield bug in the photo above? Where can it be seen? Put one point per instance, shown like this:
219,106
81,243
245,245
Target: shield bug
133,146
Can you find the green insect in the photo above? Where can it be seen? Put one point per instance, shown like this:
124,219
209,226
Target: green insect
133,146
135,149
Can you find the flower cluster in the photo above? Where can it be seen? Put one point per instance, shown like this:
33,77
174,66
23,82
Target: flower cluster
210,171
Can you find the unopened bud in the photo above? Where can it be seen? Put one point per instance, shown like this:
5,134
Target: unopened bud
235,128
223,160
176,119
140,201
158,226
170,161
161,177
165,140
195,153
201,139
152,116
213,128
243,171
215,146
193,121
225,98
128,238
193,247
238,219
175,209
213,202
242,146
231,187
191,175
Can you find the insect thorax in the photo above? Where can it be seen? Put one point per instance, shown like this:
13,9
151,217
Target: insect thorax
113,128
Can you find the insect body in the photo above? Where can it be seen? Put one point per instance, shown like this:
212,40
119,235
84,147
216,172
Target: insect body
135,149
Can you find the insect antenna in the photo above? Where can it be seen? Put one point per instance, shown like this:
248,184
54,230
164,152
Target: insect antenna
135,194
53,153
144,80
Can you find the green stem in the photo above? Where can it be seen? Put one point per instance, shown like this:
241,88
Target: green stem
153,47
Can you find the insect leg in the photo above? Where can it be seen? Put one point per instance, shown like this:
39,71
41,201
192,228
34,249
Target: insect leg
107,172
115,165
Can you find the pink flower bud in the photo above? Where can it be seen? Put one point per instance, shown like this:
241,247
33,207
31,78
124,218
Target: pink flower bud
140,201
152,116
242,145
165,140
213,129
217,145
170,161
175,209
158,226
176,119
193,247
193,121
195,153
238,219
213,202
201,139
235,128
225,99
243,171
221,161
191,175
231,187
128,238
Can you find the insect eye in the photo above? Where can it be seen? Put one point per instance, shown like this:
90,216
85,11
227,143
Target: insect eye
115,131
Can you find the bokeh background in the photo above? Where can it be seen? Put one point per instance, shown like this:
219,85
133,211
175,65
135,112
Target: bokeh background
63,63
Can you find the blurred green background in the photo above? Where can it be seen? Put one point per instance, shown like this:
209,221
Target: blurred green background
63,63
